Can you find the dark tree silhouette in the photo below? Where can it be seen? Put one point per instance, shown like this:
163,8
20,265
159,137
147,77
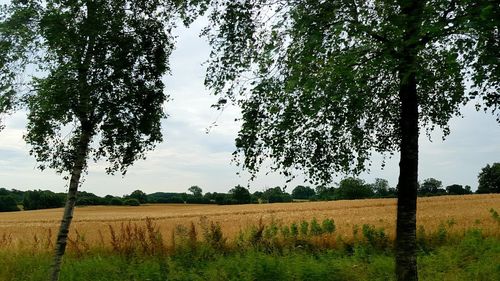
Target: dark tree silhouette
489,179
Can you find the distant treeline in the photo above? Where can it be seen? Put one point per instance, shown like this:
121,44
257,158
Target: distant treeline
348,188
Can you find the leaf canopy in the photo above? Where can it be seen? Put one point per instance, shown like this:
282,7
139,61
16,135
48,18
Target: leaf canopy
100,66
318,80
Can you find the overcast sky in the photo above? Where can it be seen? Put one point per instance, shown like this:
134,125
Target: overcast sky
189,156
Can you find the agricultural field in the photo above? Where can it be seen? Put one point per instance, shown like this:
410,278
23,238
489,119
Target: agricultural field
25,229
458,239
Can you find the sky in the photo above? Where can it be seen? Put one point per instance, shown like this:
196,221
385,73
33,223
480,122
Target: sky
191,156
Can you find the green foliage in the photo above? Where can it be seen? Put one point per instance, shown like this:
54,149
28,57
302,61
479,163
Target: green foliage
86,198
381,188
165,197
139,195
456,189
489,179
240,194
42,199
303,192
131,202
495,216
353,188
101,65
328,226
276,195
196,191
212,235
375,237
324,92
471,258
8,204
315,228
304,228
116,201
431,186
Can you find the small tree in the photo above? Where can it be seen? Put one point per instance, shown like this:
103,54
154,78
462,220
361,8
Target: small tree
430,186
381,188
303,192
196,190
457,189
489,179
353,188
139,196
240,194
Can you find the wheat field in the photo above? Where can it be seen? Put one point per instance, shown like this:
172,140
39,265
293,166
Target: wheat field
23,229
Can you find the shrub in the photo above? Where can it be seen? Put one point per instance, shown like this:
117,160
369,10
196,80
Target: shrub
304,227
131,202
115,201
294,230
315,227
212,234
328,225
375,237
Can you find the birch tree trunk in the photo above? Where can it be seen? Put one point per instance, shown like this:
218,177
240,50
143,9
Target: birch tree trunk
62,236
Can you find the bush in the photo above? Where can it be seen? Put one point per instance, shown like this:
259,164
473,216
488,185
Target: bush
328,226
115,201
8,204
131,202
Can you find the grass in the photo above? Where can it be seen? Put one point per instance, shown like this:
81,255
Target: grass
475,257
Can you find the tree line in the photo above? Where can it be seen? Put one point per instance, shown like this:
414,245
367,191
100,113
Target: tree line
347,189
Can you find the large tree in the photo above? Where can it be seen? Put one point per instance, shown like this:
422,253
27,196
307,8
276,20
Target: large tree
324,84
97,91
489,179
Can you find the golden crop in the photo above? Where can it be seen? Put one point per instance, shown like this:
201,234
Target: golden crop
26,228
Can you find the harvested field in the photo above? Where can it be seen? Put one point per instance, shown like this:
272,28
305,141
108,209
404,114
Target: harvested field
23,229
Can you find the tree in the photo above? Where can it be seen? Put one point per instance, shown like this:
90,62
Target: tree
489,179
325,193
115,201
8,204
99,93
14,38
303,192
381,188
324,84
457,189
353,188
430,186
139,196
42,199
240,194
276,195
131,202
196,190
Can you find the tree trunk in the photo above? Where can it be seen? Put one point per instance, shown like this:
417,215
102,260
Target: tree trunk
62,236
406,225
406,246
